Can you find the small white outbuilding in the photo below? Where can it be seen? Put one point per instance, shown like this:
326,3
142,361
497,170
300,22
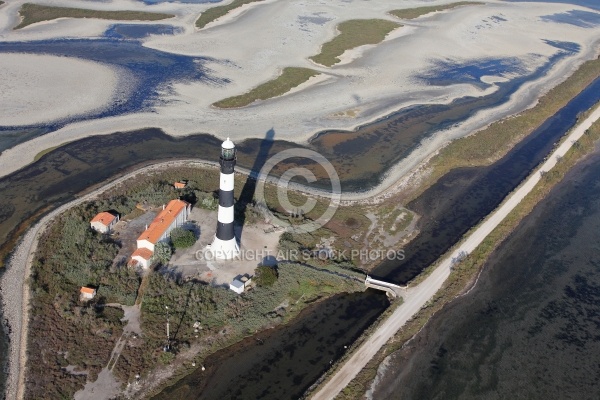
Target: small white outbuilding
104,222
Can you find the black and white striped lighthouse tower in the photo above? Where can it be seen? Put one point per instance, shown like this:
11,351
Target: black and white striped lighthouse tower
225,246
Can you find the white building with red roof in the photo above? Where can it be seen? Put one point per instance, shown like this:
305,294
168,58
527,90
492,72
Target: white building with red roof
103,222
86,293
142,257
172,216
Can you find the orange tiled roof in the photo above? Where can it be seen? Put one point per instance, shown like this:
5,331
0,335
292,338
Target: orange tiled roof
87,290
179,185
142,252
163,220
104,217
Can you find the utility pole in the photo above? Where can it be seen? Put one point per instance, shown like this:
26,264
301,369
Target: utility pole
168,346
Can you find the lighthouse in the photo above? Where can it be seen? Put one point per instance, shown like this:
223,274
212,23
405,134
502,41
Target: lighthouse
225,246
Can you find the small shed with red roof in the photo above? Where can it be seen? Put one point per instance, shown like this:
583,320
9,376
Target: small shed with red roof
103,222
86,293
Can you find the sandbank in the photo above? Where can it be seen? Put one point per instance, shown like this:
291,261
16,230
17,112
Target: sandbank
374,81
63,87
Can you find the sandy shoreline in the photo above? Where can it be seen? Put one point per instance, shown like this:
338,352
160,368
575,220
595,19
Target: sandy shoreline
526,97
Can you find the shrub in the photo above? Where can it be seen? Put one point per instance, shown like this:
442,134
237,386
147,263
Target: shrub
206,200
265,275
182,238
166,358
162,252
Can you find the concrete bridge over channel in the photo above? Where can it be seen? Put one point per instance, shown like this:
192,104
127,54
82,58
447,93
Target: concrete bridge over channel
391,289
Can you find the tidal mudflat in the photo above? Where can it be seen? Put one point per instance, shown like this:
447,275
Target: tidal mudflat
415,65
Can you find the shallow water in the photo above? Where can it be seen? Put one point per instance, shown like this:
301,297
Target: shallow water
593,4
282,363
148,72
530,328
59,175
464,196
136,31
447,72
364,156
451,207
582,19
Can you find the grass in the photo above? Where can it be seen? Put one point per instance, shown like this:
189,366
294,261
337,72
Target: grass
411,13
494,142
69,256
392,225
354,33
46,151
34,13
464,273
349,226
215,13
219,308
289,79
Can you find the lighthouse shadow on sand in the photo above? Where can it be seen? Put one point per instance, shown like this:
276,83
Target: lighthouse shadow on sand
247,194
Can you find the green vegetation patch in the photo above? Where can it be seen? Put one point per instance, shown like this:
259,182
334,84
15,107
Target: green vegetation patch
265,276
354,33
289,79
214,13
217,317
182,238
34,13
411,13
46,151
63,330
162,252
